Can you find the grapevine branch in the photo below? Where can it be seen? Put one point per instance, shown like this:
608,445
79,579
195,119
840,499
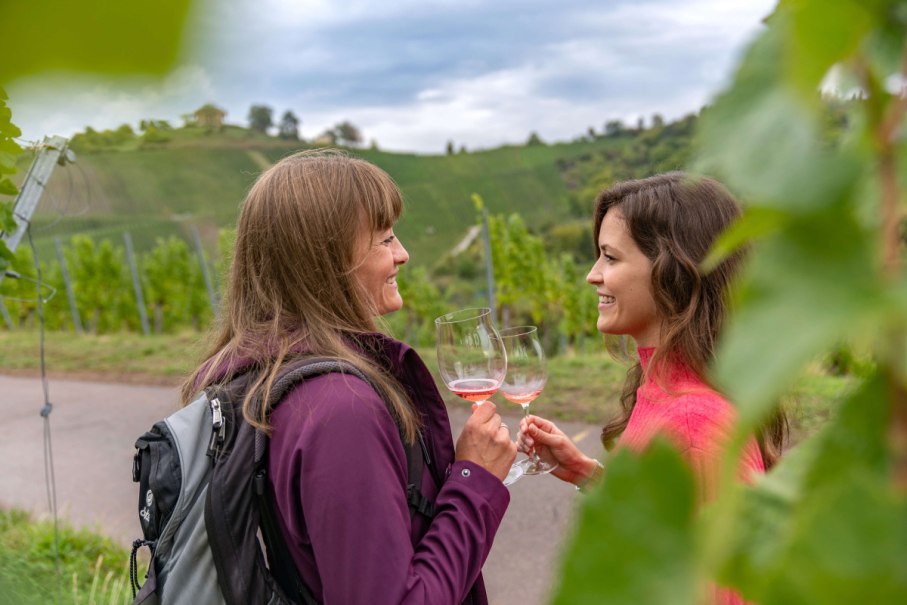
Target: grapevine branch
888,124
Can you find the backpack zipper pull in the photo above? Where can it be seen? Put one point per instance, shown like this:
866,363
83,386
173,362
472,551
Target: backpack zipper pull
217,427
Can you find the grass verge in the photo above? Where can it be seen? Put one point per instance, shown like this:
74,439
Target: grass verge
123,357
92,569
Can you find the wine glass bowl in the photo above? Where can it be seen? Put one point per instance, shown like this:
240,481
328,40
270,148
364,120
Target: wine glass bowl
527,370
472,360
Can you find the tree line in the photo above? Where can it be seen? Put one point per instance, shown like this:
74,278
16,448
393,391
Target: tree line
209,119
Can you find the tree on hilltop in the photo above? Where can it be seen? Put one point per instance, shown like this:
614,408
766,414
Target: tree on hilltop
289,126
261,117
348,134
344,133
614,128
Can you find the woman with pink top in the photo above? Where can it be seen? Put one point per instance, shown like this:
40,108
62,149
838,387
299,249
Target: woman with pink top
651,237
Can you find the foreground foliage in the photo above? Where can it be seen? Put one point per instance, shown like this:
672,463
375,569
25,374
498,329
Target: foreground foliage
829,524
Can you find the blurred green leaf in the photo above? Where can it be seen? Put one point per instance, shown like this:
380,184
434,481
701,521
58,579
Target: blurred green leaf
8,129
849,546
637,543
6,254
92,35
7,162
812,515
755,223
7,222
812,284
765,519
7,187
849,535
821,33
764,142
8,145
855,442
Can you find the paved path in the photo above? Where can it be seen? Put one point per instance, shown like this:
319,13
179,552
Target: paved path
93,428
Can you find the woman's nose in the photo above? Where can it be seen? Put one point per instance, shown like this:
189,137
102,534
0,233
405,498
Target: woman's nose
594,276
401,256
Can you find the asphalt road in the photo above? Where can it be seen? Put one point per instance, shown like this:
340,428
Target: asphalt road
93,427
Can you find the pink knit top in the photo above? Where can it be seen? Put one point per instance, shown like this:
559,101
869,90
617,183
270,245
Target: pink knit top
699,421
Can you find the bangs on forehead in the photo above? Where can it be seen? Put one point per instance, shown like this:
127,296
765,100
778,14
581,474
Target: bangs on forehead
380,198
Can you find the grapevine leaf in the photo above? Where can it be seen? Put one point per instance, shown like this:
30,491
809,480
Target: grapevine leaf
764,142
7,221
9,129
95,35
765,519
6,253
10,146
7,162
814,283
821,34
7,187
637,531
809,514
755,223
849,535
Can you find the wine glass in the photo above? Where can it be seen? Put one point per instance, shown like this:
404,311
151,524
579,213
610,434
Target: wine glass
527,374
471,356
472,359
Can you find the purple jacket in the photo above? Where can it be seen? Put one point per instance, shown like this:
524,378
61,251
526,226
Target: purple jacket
338,470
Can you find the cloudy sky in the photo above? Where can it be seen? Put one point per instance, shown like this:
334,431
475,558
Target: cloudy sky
414,74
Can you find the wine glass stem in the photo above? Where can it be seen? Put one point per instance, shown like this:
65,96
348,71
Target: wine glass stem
534,456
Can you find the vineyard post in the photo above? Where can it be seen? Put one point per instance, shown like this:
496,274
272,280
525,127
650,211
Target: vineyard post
200,251
6,317
489,267
136,284
70,293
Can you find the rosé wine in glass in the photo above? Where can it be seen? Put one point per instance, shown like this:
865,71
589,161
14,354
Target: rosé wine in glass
471,357
527,375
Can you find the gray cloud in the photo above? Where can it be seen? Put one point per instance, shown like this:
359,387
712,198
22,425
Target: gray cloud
414,74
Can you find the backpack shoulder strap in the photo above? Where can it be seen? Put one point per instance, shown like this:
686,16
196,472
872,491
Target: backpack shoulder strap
416,457
416,454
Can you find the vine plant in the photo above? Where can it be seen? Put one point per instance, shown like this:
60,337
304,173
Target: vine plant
9,149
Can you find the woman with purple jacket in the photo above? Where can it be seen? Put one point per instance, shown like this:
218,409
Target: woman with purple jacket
315,264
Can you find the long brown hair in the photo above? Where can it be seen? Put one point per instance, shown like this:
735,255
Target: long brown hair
674,218
292,285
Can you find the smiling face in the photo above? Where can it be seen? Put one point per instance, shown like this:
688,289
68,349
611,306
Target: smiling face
378,271
622,277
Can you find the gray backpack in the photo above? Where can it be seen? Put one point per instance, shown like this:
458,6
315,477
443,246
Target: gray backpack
203,502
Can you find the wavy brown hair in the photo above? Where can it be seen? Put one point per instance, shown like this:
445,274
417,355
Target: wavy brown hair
674,218
303,229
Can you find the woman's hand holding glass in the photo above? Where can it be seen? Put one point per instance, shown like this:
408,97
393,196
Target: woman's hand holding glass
554,447
485,441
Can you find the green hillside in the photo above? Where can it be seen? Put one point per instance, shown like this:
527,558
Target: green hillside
163,190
